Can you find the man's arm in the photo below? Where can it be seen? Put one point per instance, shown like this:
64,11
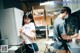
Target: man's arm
68,37
64,34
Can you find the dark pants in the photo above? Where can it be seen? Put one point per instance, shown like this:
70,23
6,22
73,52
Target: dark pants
28,49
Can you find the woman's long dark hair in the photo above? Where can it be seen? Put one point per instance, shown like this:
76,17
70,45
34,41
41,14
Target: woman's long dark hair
27,15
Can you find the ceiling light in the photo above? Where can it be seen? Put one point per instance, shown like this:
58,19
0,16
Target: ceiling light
47,3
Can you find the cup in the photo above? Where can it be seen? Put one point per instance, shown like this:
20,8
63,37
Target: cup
79,32
73,40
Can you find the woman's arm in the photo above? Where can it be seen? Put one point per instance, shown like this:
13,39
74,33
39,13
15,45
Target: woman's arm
20,36
31,35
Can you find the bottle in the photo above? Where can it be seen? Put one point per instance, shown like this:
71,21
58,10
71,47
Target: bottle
73,40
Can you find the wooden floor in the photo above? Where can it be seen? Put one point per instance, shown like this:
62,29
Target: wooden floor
41,45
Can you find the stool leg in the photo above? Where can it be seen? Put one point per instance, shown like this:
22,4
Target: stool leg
46,49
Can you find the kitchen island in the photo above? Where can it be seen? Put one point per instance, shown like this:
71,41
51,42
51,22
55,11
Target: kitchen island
74,47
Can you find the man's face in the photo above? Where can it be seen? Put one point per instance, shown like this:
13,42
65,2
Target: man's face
66,15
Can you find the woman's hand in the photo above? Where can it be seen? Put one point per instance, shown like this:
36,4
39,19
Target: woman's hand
21,30
24,42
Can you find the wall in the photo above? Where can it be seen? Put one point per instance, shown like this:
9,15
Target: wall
40,20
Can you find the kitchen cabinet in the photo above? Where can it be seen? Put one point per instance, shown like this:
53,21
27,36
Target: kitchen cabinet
79,4
10,22
72,24
73,4
74,48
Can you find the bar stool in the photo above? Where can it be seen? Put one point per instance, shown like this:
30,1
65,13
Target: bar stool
48,47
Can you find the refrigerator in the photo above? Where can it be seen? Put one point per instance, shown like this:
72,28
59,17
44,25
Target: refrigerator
10,23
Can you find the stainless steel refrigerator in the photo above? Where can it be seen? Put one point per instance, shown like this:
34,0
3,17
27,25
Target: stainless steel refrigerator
10,22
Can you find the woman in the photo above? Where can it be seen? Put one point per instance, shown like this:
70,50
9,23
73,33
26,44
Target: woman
28,33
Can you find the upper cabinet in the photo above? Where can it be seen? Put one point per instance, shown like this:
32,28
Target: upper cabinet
73,4
79,4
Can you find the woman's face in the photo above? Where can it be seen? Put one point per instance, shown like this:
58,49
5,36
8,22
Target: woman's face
27,20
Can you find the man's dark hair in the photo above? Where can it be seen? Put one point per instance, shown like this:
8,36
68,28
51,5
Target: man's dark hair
66,9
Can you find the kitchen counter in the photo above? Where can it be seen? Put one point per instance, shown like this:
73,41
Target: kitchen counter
74,48
12,49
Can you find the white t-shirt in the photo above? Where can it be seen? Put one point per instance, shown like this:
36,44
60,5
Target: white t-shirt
27,29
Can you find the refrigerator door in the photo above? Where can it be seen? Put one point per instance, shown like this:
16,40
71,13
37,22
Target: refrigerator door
11,21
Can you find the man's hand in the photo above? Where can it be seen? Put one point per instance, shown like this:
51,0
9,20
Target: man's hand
74,36
78,38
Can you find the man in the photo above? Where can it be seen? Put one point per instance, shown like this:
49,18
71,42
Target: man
60,35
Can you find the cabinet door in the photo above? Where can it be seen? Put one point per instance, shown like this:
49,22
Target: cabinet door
8,26
18,21
79,4
73,4
10,22
18,18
